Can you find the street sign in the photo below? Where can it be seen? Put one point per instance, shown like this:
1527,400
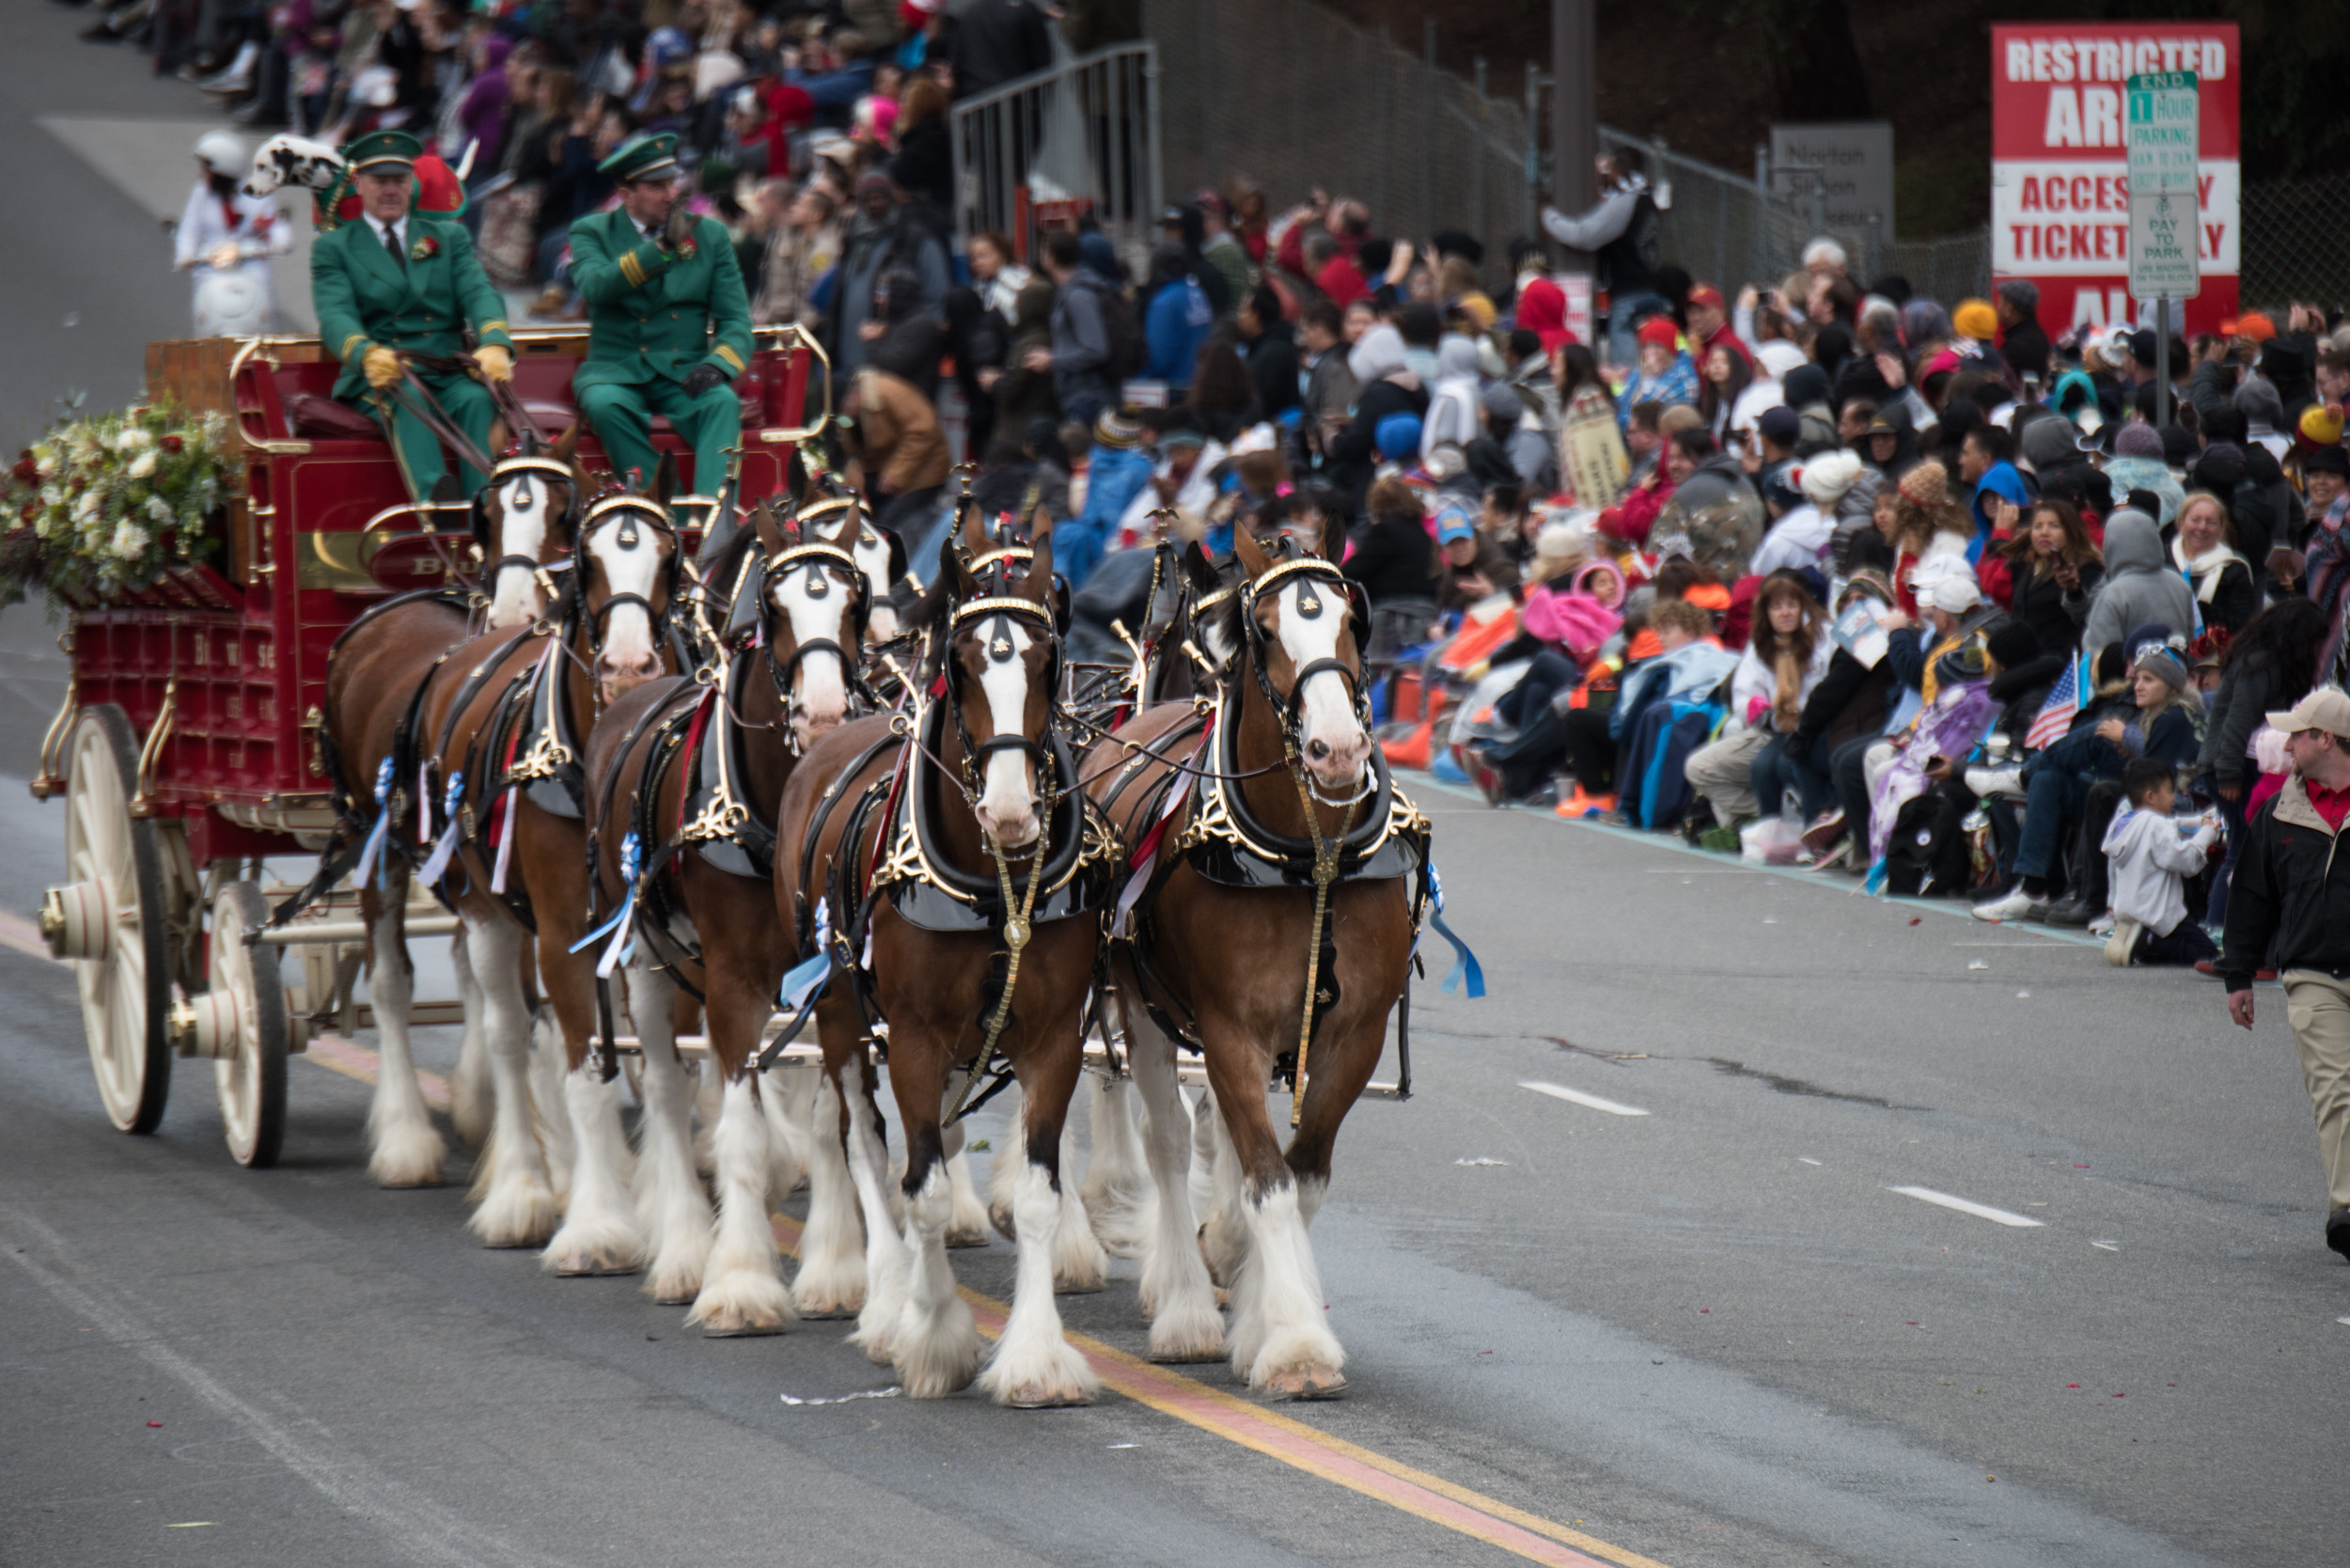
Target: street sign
2162,246
2163,131
2162,134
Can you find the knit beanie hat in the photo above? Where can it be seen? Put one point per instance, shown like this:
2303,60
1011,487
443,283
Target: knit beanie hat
1118,431
1927,485
2137,440
1660,331
1779,485
1397,436
2221,469
1825,479
2320,427
1501,401
1976,319
2163,660
2259,403
2014,643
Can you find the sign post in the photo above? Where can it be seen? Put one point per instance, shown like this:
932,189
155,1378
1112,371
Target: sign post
2162,121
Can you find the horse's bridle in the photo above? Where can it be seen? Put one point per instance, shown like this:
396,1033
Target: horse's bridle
568,525
632,511
999,646
820,558
1289,711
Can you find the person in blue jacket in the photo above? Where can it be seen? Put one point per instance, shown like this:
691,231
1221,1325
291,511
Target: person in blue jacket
1116,473
1176,321
1985,461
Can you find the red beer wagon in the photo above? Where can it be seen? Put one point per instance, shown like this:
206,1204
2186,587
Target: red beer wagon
187,745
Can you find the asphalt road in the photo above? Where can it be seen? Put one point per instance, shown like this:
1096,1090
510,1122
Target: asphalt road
1717,1333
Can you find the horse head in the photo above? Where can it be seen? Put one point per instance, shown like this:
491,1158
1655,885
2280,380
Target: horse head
814,606
1299,621
525,519
627,578
1002,659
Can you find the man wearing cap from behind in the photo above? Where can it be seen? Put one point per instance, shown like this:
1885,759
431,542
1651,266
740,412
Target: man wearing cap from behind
396,283
2289,906
668,322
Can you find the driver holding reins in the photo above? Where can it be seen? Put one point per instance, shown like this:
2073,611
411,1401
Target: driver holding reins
395,283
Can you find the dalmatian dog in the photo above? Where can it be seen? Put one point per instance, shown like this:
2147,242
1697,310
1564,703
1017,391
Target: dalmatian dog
287,160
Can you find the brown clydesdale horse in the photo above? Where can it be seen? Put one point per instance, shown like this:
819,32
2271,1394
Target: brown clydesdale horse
522,519
505,721
1219,948
967,811
683,775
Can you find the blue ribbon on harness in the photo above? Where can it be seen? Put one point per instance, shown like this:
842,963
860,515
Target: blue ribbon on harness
436,864
374,849
617,928
1465,965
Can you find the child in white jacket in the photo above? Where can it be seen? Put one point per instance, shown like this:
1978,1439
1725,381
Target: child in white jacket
2151,857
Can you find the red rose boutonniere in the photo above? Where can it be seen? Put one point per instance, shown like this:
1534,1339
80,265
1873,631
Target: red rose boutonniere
423,249
686,250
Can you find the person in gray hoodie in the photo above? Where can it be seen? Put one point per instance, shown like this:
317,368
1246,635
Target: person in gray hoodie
2139,586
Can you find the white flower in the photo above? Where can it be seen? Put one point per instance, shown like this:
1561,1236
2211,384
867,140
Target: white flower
87,508
158,509
132,438
143,464
130,541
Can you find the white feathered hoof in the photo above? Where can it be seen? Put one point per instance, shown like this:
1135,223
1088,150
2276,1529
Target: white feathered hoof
408,1156
579,1252
821,1293
999,1215
938,1356
876,1332
1080,1267
676,1276
1181,1335
1041,1378
1297,1363
520,1213
743,1304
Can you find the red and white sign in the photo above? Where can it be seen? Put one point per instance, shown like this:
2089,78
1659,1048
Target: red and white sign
2060,170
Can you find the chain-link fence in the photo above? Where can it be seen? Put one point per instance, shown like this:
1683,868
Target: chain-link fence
2292,242
1294,97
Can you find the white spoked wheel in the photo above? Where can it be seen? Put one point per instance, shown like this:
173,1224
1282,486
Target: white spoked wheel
252,1076
124,976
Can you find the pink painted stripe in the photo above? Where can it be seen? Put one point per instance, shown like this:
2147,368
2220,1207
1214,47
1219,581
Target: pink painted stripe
353,1060
21,934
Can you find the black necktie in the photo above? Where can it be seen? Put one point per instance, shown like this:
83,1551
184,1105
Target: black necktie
391,242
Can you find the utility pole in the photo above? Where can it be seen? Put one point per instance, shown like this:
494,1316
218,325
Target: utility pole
1573,110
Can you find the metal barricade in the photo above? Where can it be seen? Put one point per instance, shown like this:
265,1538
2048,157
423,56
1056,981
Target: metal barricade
1082,134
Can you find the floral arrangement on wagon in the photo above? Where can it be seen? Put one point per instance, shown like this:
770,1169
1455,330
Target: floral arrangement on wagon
103,507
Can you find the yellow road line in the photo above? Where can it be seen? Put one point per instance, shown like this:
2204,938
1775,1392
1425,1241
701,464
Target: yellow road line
1316,1453
1224,1414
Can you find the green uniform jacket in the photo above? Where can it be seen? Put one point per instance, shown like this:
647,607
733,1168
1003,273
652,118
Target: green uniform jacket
653,314
364,297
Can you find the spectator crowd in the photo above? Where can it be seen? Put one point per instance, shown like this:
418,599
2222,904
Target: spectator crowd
1810,567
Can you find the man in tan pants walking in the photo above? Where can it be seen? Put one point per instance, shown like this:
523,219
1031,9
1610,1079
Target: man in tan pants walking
2291,900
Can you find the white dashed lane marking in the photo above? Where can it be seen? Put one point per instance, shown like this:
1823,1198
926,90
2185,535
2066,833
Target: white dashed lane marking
1965,1206
1575,1096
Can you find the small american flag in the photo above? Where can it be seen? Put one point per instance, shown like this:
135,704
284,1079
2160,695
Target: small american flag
2056,715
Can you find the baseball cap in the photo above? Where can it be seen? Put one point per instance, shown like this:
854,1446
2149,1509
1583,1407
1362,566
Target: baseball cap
1706,295
2325,708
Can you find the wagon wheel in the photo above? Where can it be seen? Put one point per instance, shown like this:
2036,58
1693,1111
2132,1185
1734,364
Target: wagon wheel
110,921
252,1071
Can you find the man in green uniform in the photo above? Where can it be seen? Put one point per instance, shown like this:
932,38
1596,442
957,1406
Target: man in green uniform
669,325
397,282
